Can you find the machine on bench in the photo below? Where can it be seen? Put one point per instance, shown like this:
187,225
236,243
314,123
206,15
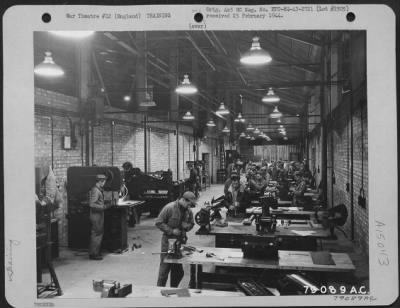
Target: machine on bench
265,222
208,214
111,288
156,188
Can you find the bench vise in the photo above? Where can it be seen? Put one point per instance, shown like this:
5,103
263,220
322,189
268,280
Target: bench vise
111,288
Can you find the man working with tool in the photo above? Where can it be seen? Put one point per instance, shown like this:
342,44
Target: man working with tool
174,220
97,207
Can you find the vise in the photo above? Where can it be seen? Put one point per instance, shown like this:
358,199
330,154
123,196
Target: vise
111,288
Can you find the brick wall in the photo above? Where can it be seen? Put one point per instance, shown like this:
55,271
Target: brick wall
49,132
339,169
113,144
158,153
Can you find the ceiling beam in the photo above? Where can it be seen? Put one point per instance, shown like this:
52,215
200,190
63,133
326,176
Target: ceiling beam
297,38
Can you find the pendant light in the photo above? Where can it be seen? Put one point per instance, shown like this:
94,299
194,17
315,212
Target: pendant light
278,120
211,123
285,138
48,68
186,87
73,34
240,118
276,113
257,131
226,129
252,138
271,97
248,137
188,116
222,110
256,55
250,127
242,135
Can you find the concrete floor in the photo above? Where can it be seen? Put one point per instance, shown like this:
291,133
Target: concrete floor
75,271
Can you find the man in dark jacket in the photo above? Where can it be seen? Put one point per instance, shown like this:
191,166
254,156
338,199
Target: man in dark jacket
193,180
174,220
96,216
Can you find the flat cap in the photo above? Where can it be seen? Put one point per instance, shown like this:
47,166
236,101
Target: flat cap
100,177
188,195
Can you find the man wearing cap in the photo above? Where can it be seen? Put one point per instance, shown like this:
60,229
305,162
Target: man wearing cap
174,220
96,216
299,189
233,192
258,183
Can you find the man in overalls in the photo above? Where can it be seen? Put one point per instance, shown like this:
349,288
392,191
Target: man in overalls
174,220
96,216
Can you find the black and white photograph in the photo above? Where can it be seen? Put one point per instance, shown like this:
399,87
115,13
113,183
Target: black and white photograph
202,163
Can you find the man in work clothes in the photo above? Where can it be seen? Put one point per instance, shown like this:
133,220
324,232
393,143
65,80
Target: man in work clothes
97,207
174,220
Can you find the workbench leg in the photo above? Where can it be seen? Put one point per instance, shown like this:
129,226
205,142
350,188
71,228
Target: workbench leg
199,276
192,282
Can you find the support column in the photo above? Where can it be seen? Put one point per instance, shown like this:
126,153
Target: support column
145,142
140,77
324,144
84,91
307,141
195,106
177,151
174,81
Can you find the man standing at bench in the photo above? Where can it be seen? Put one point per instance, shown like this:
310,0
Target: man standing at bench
174,220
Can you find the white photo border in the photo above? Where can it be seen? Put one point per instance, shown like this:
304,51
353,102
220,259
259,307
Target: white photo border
19,23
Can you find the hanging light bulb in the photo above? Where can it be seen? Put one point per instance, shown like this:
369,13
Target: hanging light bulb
48,68
252,138
222,110
127,98
276,113
240,118
257,131
210,123
271,97
226,129
250,127
278,120
242,135
186,87
285,138
248,137
256,55
73,34
188,116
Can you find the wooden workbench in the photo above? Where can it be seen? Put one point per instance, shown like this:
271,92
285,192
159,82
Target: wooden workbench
295,236
233,257
293,230
152,291
116,225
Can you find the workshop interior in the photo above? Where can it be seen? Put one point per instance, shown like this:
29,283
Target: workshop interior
268,130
